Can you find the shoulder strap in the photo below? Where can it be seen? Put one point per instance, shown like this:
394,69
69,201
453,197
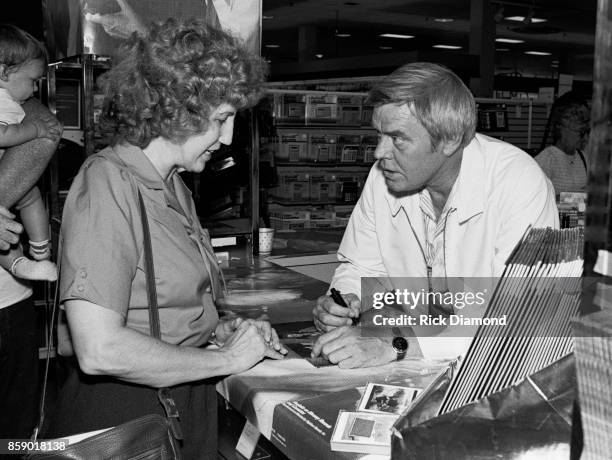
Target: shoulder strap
163,394
583,160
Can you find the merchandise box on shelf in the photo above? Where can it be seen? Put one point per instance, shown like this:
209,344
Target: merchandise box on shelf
322,147
321,109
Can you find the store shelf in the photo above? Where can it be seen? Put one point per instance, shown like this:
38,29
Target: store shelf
322,164
310,202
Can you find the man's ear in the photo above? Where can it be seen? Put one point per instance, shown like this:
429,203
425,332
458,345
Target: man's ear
449,147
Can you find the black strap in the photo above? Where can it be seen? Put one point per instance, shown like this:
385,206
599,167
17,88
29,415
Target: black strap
583,160
163,394
149,272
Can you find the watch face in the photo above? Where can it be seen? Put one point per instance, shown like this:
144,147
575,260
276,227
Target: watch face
400,344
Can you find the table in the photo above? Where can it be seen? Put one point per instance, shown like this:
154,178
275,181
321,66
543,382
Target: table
260,393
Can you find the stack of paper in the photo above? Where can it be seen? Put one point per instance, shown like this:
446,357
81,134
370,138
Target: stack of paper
539,293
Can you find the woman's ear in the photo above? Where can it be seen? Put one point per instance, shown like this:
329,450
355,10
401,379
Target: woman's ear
3,72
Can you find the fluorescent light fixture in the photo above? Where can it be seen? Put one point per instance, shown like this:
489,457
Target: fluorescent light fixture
443,19
267,17
509,40
538,53
318,56
386,47
272,45
396,36
534,20
342,35
448,47
502,49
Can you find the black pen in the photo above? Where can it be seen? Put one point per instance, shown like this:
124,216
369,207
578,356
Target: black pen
337,297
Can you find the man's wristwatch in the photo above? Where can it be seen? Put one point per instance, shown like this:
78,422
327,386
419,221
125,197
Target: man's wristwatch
399,344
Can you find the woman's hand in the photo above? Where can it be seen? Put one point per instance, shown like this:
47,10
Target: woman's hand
247,346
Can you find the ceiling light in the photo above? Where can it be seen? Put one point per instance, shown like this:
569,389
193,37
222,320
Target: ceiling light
342,35
502,49
267,17
509,40
351,3
386,47
448,47
318,56
396,36
272,45
538,53
522,19
443,19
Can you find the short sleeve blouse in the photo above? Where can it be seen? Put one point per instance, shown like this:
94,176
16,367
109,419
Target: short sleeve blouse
102,255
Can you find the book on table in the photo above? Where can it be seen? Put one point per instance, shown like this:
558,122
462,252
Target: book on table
363,432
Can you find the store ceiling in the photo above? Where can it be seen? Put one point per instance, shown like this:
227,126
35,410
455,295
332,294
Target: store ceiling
568,34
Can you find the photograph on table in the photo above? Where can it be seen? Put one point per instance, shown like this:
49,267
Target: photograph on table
391,399
363,432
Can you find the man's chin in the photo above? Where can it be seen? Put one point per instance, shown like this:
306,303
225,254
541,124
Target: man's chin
399,189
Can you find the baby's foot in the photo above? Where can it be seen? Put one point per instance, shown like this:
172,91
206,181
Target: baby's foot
27,269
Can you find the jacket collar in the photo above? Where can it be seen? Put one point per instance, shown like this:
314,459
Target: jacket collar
143,170
139,165
468,197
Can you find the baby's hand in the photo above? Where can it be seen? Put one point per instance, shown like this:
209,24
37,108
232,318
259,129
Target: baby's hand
45,127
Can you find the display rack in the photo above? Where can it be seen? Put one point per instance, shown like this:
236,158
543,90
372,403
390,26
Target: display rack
321,144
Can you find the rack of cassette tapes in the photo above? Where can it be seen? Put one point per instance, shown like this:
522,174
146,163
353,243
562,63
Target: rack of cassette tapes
323,147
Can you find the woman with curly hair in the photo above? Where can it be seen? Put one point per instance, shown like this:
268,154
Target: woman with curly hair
170,102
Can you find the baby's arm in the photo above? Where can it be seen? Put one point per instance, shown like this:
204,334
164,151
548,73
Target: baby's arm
28,130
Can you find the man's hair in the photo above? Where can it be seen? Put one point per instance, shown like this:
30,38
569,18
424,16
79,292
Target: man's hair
18,47
167,83
436,96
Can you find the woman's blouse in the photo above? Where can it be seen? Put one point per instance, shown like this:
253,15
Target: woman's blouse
566,172
102,256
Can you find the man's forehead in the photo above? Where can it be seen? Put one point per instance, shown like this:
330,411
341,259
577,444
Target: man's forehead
391,116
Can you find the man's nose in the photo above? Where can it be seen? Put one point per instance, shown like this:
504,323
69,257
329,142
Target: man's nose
382,149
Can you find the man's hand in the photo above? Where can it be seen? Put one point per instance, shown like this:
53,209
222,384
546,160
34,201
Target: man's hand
329,315
347,348
9,229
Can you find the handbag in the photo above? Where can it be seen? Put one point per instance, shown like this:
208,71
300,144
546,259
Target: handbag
147,437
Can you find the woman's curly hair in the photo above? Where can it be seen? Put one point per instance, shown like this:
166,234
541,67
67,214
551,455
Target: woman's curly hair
167,83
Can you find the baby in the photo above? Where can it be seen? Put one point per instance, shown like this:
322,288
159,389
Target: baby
22,63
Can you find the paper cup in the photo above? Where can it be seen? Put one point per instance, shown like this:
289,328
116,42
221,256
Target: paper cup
266,237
